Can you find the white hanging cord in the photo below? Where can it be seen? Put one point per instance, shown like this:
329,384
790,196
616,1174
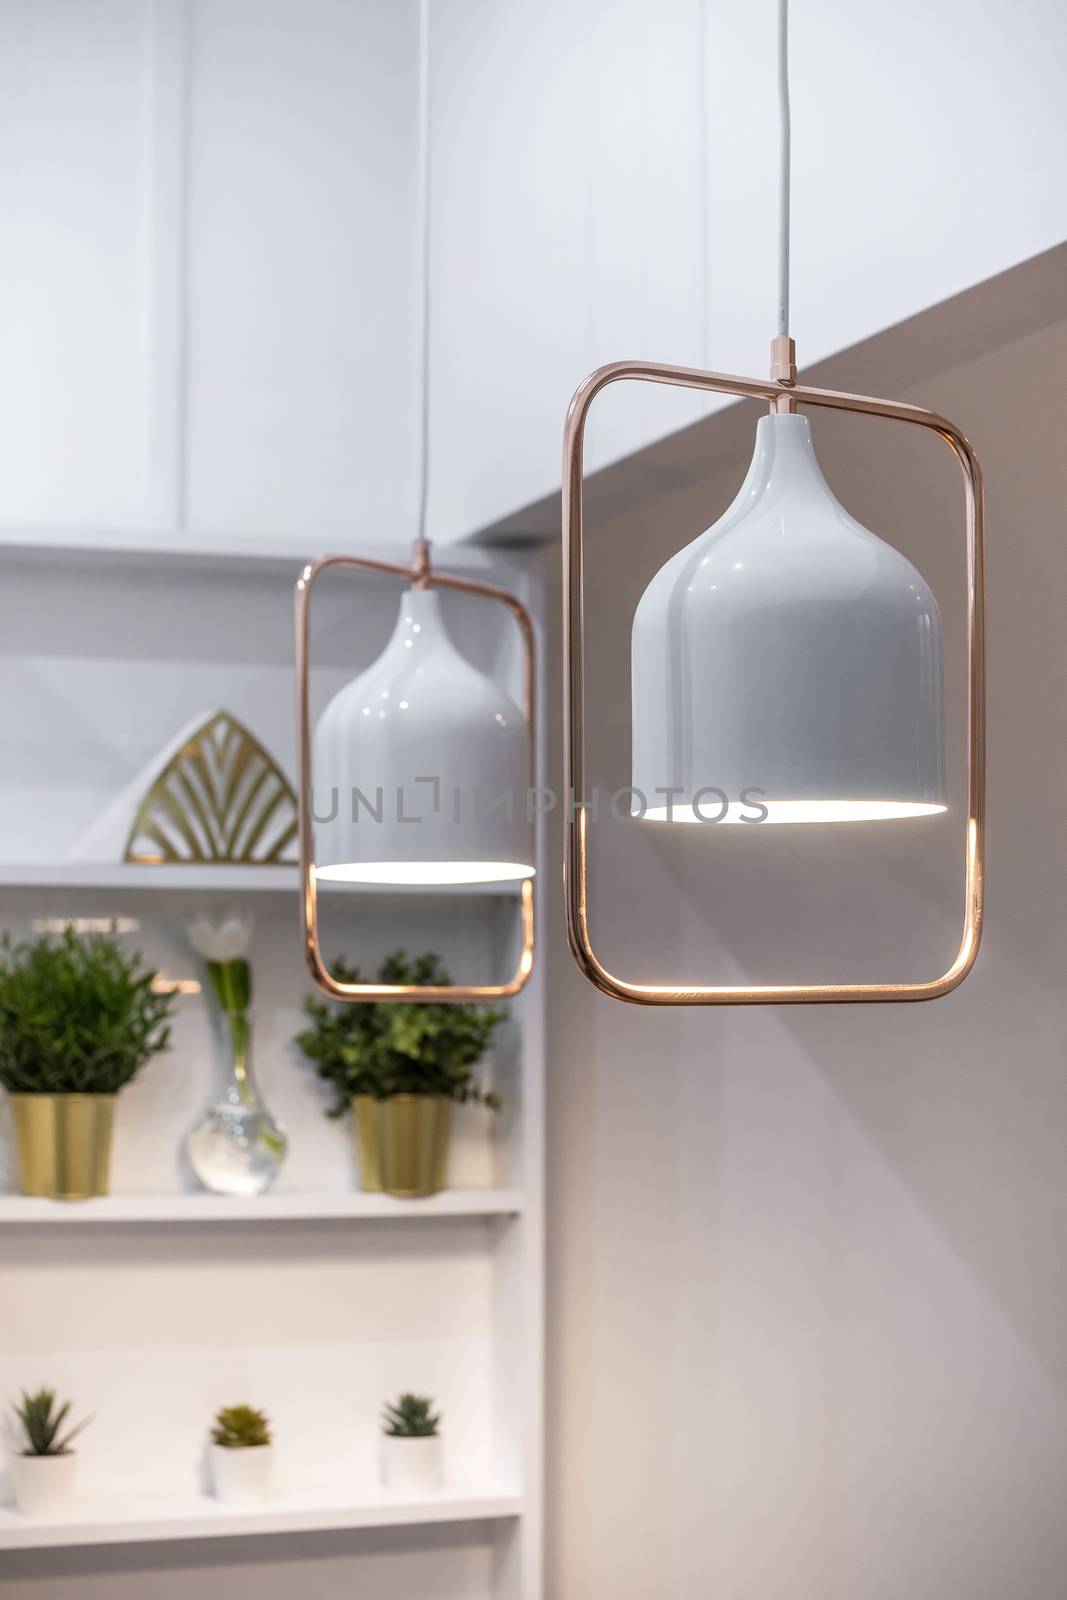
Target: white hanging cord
424,263
783,166
705,182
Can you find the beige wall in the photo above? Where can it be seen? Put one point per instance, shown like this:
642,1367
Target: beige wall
808,1283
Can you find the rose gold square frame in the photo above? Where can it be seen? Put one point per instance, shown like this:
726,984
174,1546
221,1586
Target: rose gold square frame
422,576
782,395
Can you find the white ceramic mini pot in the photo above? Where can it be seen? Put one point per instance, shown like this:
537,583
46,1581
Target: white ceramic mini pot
242,1476
44,1485
411,1466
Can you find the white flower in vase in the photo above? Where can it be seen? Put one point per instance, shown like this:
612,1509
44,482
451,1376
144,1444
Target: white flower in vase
224,947
237,1147
228,939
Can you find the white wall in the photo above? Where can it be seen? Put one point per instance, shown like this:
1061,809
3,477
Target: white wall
571,223
207,227
301,389
808,1302
74,305
207,224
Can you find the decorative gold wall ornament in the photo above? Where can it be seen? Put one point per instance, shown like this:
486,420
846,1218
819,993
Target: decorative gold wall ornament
220,798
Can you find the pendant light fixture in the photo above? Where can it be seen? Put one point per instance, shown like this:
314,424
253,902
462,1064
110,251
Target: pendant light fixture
786,665
421,765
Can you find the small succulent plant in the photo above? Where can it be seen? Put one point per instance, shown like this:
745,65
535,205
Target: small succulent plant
42,1423
240,1428
412,1417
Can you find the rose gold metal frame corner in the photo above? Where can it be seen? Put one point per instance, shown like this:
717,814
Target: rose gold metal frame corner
575,886
423,576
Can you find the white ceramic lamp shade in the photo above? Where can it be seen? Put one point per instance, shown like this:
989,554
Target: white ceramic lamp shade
421,767
787,662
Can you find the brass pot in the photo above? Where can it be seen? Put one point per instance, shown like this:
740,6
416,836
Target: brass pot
402,1143
64,1143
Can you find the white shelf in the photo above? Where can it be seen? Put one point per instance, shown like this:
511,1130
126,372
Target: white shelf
152,549
155,549
197,1516
219,879
18,1210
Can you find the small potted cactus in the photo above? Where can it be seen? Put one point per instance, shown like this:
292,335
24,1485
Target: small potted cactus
411,1446
241,1456
42,1463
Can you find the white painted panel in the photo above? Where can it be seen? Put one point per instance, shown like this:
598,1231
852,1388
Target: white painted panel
643,169
510,244
929,147
301,349
233,337
74,304
928,151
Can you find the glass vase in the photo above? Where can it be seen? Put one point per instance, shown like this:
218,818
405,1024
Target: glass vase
237,1147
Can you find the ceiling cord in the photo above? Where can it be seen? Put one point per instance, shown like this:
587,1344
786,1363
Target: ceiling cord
783,166
705,183
423,201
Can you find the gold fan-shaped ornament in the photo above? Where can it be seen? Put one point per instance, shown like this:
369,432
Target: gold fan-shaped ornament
220,797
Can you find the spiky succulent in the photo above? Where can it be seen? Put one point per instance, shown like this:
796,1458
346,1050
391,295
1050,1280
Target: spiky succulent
412,1417
42,1423
240,1428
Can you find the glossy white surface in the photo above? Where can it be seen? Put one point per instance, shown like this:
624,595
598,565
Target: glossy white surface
421,766
787,660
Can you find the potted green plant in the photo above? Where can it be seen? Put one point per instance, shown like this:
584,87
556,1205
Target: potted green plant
411,1446
78,1019
242,1455
43,1465
400,1066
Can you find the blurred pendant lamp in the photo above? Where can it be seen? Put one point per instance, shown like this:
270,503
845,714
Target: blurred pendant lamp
418,769
786,665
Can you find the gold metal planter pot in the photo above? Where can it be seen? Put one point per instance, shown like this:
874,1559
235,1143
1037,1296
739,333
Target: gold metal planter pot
64,1143
402,1143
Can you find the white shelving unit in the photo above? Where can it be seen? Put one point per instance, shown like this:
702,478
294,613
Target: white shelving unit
153,1306
148,1518
216,879
195,1208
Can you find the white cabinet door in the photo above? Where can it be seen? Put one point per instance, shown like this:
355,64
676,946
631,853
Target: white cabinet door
302,262
75,261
